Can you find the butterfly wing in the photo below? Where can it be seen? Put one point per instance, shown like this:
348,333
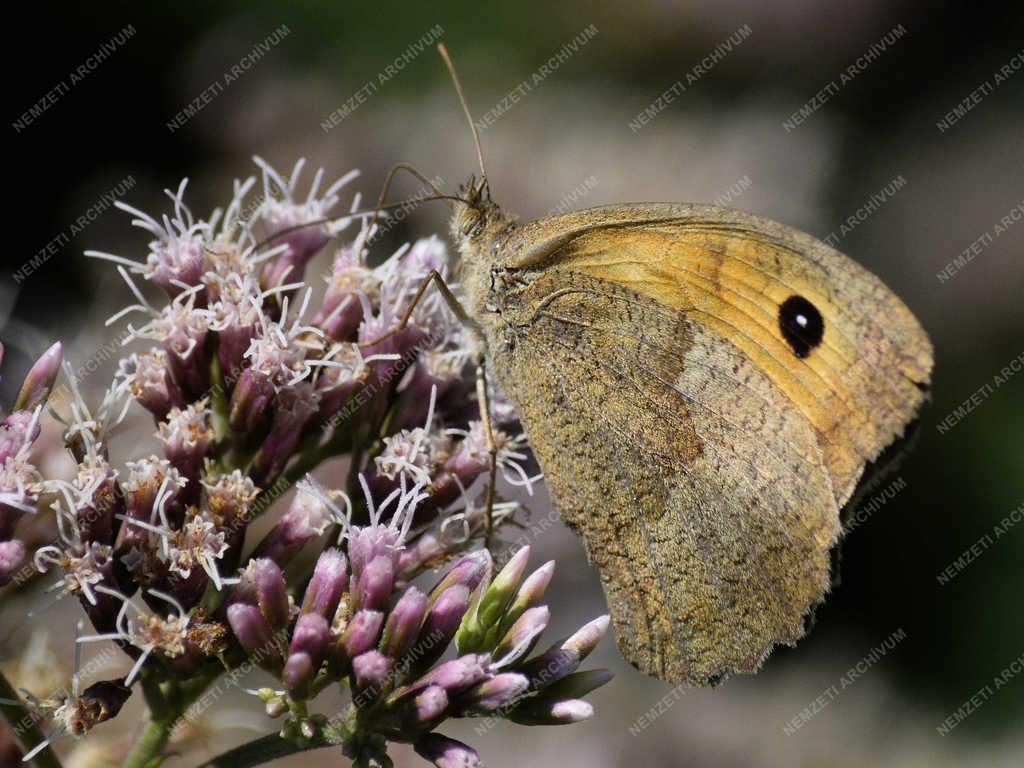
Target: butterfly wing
702,460
731,272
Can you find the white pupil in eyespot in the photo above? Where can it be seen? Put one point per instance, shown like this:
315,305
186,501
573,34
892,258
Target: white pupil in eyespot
801,320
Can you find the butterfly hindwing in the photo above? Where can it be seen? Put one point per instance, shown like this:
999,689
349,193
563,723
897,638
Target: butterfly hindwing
710,526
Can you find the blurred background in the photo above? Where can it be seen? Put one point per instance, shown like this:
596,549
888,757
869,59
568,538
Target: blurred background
834,118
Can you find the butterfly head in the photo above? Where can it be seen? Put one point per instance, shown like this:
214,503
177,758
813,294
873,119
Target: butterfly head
476,219
477,224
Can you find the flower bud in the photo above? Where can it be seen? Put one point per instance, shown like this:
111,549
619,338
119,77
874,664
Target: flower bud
371,671
373,587
255,635
550,666
250,401
470,571
368,542
457,675
442,622
263,580
360,635
327,584
480,628
544,712
586,638
446,753
294,406
276,706
522,636
493,694
306,653
403,625
428,706
307,517
530,594
40,379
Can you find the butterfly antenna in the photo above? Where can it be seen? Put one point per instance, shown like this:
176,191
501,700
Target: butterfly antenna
365,213
465,107
414,171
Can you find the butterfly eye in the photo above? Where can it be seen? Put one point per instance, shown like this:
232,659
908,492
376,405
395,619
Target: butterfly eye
801,325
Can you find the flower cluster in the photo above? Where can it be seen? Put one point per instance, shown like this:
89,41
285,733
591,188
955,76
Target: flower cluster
361,621
252,383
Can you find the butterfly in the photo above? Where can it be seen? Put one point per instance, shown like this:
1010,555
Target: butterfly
703,389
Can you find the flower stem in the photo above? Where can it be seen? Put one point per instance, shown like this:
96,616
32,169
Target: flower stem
21,722
167,712
149,744
261,751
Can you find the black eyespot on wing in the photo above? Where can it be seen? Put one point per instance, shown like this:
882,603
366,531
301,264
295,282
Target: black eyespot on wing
801,324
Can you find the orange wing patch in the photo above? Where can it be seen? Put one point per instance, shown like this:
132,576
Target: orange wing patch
851,388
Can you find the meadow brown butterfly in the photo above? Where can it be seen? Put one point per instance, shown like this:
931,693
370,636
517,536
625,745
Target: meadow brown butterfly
703,389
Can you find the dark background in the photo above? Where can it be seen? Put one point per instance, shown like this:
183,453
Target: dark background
572,127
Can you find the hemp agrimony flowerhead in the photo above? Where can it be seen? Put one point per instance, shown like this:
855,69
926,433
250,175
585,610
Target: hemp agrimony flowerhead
375,579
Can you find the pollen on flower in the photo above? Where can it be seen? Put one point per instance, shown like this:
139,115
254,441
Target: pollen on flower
166,634
144,373
279,352
415,451
237,304
350,273
198,543
188,428
19,481
229,496
145,480
180,327
145,629
83,566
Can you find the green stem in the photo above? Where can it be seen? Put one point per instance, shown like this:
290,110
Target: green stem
261,751
21,722
150,743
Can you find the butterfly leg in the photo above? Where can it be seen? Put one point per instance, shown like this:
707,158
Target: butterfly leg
483,398
446,293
